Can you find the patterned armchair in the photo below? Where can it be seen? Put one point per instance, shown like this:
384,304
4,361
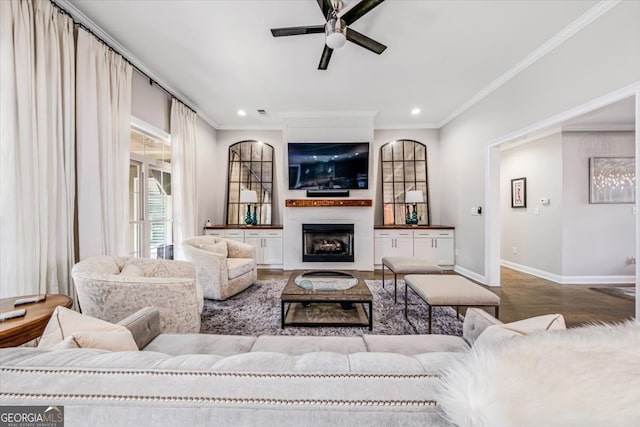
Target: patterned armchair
112,288
223,267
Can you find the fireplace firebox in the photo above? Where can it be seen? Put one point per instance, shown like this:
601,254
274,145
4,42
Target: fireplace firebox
327,243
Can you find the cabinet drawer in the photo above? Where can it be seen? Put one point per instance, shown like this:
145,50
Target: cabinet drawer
392,233
433,234
234,234
263,233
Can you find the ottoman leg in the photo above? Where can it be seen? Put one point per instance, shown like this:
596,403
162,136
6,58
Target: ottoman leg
395,287
382,276
405,300
430,317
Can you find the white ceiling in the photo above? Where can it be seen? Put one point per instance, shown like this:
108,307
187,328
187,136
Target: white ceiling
219,56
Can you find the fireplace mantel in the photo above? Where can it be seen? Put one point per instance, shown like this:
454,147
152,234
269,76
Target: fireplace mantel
327,203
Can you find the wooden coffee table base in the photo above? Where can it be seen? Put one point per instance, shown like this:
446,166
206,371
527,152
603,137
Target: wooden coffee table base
326,314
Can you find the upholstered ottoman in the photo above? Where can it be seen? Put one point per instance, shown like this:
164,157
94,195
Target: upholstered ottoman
406,265
449,290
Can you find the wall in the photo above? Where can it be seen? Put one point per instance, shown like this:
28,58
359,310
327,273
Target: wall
150,103
535,231
428,137
599,238
601,58
208,190
329,129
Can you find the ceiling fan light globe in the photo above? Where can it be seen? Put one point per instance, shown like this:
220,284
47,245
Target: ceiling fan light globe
335,30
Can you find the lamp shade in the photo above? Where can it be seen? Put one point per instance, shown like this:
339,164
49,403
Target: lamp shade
413,197
248,196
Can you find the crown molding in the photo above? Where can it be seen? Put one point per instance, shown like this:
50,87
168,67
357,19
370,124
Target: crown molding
83,19
587,18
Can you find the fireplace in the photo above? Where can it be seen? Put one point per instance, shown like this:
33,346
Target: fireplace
327,243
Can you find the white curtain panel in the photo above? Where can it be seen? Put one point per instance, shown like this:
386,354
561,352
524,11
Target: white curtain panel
103,117
37,186
183,174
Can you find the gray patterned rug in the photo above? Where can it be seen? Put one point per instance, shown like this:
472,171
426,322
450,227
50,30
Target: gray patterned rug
256,311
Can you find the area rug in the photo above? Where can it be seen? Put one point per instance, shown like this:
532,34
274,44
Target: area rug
256,311
624,292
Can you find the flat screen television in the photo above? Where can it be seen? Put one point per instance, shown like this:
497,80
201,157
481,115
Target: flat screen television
328,165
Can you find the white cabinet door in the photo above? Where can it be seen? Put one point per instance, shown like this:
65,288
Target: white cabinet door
268,245
436,246
392,243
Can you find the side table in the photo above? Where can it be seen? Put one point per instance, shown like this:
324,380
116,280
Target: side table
15,332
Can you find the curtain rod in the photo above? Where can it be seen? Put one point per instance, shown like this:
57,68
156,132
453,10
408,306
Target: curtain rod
151,80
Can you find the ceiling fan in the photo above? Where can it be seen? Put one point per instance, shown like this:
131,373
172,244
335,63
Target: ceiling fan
337,28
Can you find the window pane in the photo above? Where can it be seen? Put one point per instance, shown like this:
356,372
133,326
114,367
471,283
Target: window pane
401,214
387,171
408,150
421,152
135,239
409,171
234,193
267,172
398,192
135,209
161,234
387,192
398,171
421,171
397,150
386,152
267,153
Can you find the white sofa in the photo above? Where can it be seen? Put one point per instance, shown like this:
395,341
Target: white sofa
426,380
112,288
223,267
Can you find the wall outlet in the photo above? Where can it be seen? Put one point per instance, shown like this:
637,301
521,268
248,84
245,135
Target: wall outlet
536,211
514,250
631,260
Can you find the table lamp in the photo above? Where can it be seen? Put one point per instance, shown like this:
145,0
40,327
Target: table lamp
413,197
248,197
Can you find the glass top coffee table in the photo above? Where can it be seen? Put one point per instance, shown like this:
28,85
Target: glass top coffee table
326,298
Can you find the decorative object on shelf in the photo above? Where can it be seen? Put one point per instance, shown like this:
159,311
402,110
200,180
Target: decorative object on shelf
414,197
248,197
208,224
254,220
612,180
519,193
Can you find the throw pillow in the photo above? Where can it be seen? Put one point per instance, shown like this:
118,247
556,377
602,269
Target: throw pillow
65,322
112,341
496,333
131,270
219,248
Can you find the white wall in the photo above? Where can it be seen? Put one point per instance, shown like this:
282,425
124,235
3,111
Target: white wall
598,238
208,188
150,103
219,163
599,59
428,137
535,231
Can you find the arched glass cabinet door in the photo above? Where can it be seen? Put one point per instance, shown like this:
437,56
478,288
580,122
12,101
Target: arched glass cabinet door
404,168
250,168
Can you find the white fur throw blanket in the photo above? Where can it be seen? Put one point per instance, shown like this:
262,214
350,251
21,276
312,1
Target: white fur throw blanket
587,376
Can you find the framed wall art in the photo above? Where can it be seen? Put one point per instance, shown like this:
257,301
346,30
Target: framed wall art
612,180
519,193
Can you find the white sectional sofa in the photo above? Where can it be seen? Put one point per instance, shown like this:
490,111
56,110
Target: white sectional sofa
203,380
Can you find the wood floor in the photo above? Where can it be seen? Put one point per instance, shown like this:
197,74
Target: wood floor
523,295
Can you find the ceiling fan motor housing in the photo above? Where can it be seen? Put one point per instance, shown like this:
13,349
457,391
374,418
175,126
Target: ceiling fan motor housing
336,33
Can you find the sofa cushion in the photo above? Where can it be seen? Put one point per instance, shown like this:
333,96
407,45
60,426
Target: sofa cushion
297,345
221,345
65,322
111,341
239,266
410,345
496,333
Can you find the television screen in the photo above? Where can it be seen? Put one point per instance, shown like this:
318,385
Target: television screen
328,165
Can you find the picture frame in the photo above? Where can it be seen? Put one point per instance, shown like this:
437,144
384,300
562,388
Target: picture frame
519,193
612,180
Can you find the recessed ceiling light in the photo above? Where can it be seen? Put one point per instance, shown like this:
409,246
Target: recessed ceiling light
415,111
242,113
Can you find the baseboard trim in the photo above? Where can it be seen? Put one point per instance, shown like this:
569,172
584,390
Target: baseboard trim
471,275
568,280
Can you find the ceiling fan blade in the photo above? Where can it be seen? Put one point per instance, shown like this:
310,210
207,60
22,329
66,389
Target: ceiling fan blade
364,41
295,31
356,12
326,7
324,59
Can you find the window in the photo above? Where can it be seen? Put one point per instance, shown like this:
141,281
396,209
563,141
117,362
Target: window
150,200
250,168
404,168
